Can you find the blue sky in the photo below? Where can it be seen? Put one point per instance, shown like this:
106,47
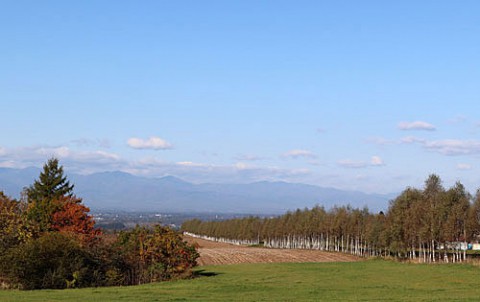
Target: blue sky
362,95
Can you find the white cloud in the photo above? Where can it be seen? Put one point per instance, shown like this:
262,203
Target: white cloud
248,157
464,167
447,146
154,143
97,156
241,166
377,161
297,153
417,125
454,146
190,164
84,142
87,162
204,172
7,164
361,177
67,154
412,140
353,164
56,152
380,141
78,161
404,140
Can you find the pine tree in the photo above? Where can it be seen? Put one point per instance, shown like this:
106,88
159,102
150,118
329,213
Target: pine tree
44,194
51,183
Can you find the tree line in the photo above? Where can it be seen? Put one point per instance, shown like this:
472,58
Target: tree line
49,240
428,225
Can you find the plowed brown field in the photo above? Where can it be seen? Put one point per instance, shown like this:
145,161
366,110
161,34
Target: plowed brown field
215,253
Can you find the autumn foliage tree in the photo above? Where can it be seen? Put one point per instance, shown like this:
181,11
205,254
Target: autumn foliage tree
72,218
49,240
152,254
13,228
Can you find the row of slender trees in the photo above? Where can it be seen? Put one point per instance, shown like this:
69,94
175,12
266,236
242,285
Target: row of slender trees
428,225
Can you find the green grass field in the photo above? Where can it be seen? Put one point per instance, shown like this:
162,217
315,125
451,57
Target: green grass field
357,281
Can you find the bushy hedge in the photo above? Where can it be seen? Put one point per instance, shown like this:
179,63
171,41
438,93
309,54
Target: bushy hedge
53,260
138,256
144,255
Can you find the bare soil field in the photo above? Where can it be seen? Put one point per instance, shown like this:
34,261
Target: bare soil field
216,253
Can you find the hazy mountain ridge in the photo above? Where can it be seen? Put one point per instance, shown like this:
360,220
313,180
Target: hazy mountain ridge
123,191
12,181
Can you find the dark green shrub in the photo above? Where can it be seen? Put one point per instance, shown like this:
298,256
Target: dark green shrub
51,261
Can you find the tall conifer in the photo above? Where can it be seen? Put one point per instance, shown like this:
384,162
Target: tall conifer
44,194
51,183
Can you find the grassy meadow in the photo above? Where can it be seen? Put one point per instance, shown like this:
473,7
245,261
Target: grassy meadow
374,280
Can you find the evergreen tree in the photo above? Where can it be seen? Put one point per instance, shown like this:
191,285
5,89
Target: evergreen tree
51,183
44,194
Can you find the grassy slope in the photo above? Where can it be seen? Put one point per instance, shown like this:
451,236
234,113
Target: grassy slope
357,281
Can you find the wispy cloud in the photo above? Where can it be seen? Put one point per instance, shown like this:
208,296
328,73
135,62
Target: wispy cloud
154,143
412,140
417,125
87,162
353,164
84,142
204,172
297,153
375,161
80,161
248,157
457,119
380,141
8,164
447,146
190,164
464,167
241,166
454,146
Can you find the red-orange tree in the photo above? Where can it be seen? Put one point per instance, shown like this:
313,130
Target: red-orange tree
72,217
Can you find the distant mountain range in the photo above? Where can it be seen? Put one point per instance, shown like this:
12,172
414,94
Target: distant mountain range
127,192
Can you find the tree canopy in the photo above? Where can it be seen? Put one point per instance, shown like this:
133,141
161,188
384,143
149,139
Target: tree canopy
51,183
